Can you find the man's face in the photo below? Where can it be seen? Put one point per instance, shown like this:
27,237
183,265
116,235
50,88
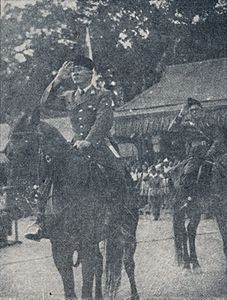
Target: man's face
166,163
144,167
196,112
133,169
81,76
153,171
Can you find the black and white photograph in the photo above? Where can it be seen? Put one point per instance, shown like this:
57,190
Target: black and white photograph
113,150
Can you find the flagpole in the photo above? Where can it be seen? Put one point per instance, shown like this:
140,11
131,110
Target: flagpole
88,43
90,54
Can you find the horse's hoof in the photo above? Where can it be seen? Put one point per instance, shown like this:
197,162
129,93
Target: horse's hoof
180,264
186,271
135,297
196,268
179,261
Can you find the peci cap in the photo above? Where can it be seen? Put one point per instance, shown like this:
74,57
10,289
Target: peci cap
83,61
192,102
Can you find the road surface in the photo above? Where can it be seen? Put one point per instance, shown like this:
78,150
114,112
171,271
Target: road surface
27,271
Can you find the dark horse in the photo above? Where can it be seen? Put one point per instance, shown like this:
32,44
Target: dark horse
215,199
78,206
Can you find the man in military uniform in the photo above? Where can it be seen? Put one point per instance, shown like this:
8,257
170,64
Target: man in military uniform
91,114
204,143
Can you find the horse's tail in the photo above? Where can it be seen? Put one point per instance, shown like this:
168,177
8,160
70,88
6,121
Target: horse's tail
114,260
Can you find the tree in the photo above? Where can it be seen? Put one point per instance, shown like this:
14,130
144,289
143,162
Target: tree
132,42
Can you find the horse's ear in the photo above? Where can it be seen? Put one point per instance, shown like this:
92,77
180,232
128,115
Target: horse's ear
35,117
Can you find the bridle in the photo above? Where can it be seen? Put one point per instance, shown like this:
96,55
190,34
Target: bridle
46,182
40,136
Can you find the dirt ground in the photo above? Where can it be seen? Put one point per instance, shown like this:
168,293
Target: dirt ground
27,271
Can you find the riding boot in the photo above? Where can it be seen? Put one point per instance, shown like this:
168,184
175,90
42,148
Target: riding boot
36,231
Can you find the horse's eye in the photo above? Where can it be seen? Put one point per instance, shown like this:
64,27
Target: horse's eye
48,158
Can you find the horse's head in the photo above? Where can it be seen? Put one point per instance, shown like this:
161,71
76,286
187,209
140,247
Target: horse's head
36,148
23,142
28,136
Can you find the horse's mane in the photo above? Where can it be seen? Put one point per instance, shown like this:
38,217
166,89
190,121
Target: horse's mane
53,136
64,157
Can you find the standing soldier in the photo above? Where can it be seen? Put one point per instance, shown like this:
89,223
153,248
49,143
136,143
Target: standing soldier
91,115
203,144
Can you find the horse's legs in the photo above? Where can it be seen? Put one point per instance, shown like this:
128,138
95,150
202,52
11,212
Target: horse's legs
63,259
129,264
186,257
177,237
180,238
191,229
88,262
98,274
221,217
156,207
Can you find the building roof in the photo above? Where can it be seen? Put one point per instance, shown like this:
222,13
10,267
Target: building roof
155,107
203,80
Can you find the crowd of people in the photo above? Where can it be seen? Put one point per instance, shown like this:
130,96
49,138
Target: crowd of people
154,184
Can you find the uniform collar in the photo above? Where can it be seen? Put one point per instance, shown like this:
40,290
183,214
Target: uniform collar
84,95
83,91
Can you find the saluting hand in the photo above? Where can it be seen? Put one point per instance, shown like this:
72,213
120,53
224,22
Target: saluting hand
184,110
65,71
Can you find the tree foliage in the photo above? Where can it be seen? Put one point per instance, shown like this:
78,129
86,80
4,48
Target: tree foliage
132,41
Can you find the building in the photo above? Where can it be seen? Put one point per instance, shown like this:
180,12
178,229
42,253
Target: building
144,120
141,125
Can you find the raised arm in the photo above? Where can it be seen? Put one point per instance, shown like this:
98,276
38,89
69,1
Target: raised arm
176,124
54,96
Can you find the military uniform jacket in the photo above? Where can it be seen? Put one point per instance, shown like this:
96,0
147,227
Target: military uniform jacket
90,112
202,139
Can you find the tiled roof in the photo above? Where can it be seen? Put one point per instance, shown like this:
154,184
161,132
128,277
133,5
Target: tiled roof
155,108
203,80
